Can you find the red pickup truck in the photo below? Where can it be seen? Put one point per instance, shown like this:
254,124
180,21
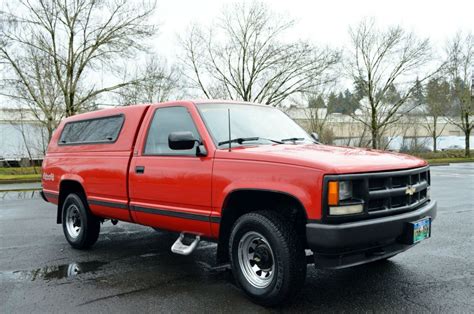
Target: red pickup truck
243,175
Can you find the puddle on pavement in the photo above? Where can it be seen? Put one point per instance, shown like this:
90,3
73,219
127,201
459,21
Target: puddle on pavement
19,195
51,272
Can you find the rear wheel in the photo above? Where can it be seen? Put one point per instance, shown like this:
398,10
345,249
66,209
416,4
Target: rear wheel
267,258
80,227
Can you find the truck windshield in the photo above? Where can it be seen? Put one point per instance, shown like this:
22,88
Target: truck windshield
261,124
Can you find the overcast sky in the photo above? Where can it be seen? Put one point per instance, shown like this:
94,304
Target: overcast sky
327,22
321,22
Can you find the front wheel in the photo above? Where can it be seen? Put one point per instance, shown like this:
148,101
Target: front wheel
267,258
80,227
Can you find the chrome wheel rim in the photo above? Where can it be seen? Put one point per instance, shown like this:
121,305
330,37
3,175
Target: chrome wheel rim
256,259
73,221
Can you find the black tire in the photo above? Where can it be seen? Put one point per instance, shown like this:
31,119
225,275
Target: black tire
86,229
286,250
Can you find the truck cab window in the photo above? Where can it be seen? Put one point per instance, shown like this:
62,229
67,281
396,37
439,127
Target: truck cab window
165,121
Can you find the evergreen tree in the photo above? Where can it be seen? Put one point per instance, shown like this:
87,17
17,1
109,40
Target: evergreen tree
418,95
437,104
332,102
351,102
316,102
392,96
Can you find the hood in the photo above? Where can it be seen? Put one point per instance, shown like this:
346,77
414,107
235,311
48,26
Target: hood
330,159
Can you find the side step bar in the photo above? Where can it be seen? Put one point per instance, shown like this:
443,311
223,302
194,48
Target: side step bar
179,247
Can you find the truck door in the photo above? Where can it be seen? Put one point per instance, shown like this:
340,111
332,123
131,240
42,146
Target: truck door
170,189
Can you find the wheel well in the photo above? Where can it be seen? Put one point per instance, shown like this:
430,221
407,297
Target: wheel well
241,202
67,187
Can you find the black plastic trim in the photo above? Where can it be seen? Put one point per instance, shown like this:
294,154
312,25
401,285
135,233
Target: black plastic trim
108,204
43,197
396,191
215,219
229,194
50,195
170,213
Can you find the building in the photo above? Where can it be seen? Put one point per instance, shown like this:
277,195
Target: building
407,131
22,138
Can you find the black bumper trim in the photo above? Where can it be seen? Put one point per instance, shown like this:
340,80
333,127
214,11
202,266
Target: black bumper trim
363,233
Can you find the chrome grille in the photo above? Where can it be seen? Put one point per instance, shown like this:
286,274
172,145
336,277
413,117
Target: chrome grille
397,191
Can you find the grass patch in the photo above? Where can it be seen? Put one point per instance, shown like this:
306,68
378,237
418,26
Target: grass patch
444,157
20,174
19,170
19,177
447,154
448,160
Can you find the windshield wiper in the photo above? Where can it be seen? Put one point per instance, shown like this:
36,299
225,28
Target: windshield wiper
241,140
293,139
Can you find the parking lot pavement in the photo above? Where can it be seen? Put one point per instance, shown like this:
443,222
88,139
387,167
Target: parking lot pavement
131,267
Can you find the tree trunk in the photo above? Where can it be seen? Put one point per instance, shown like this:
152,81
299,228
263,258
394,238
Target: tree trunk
467,152
467,133
375,139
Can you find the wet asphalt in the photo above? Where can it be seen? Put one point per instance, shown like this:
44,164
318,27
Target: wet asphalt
131,268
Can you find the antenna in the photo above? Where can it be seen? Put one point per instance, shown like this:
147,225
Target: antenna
230,136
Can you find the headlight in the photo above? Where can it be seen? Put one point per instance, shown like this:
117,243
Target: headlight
345,190
338,192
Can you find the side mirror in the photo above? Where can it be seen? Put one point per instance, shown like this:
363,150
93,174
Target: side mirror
181,140
315,136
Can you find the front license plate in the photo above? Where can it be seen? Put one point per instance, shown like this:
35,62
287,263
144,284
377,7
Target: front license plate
421,229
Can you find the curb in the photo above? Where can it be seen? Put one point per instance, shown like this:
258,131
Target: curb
443,164
21,190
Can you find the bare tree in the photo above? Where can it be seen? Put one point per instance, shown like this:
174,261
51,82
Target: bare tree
436,107
154,82
460,54
243,57
409,130
379,61
47,105
69,41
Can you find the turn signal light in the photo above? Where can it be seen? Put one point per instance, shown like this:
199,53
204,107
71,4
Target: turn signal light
333,193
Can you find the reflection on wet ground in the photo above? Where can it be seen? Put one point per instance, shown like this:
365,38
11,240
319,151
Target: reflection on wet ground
52,272
19,195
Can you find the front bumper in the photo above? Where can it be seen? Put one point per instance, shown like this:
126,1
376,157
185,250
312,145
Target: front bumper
337,245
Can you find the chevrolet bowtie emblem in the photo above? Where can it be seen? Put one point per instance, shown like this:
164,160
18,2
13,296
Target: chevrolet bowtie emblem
410,190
